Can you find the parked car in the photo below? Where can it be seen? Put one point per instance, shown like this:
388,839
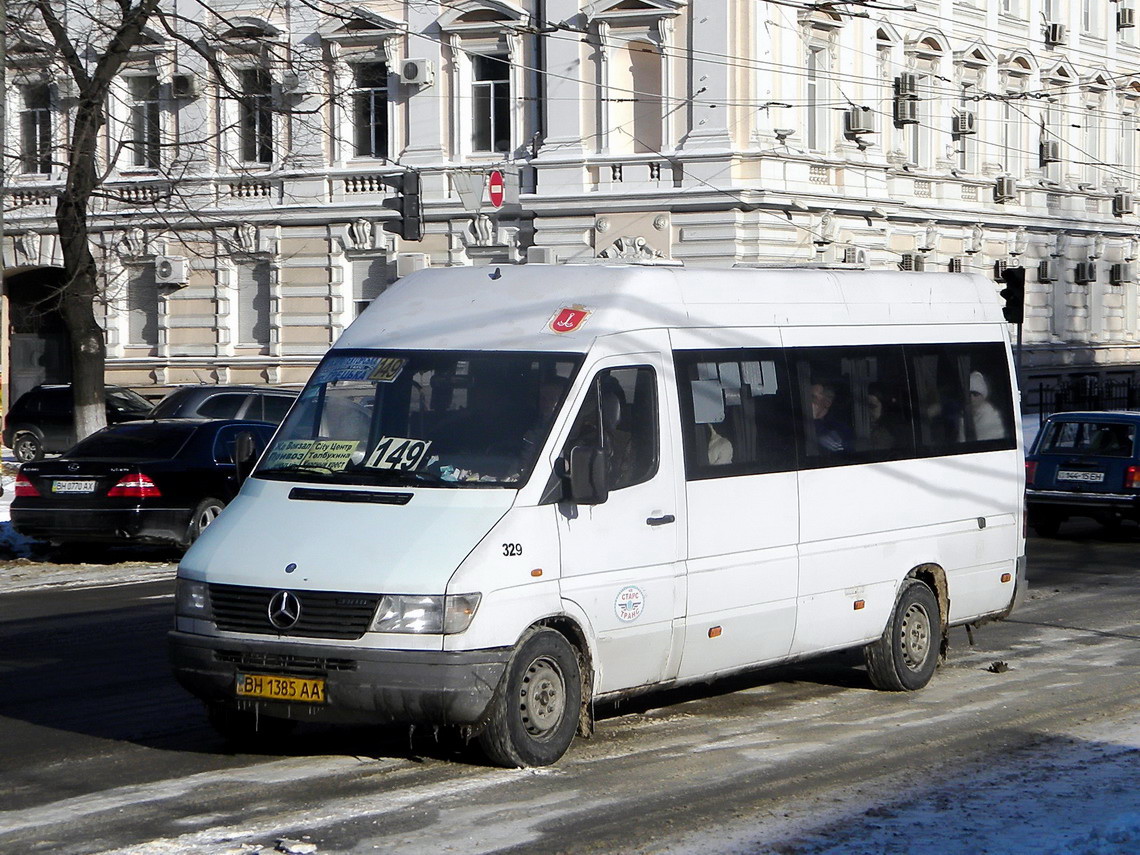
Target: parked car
152,481
1083,464
43,419
252,403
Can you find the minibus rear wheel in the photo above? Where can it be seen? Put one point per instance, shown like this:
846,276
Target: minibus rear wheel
534,714
905,657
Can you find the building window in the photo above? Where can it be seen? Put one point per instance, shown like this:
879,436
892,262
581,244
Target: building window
145,124
253,303
1051,130
1010,137
1092,153
1127,153
255,116
370,109
491,103
817,106
1088,17
967,143
369,278
142,309
35,129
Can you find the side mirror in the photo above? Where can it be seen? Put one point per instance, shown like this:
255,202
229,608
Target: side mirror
244,454
587,475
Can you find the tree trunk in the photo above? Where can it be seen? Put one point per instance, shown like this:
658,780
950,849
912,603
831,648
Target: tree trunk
81,285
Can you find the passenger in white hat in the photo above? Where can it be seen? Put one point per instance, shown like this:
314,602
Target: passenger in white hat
986,418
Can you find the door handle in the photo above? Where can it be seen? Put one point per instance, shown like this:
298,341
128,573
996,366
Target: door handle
665,520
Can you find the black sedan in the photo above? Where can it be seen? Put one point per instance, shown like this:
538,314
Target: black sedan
154,481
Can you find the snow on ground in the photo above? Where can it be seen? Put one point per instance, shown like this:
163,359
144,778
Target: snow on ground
1074,793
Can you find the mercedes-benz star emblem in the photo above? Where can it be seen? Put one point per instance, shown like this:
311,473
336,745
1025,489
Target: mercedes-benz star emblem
284,610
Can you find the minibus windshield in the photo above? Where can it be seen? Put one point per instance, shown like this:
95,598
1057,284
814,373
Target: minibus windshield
437,418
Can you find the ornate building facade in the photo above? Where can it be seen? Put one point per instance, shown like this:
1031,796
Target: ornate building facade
260,193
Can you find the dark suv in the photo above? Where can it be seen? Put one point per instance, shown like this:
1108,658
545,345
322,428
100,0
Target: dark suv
1083,464
43,418
253,403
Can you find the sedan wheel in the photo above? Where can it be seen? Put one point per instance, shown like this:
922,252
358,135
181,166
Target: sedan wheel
27,447
206,512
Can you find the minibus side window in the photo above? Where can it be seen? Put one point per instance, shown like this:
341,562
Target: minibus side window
619,416
962,398
736,412
853,405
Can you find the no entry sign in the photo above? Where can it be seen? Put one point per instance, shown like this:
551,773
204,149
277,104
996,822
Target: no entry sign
495,188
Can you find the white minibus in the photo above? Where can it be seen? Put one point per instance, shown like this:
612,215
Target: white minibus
506,493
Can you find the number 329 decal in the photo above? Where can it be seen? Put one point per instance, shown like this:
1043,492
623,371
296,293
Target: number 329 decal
512,550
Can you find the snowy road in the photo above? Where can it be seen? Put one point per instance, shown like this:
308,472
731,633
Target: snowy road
101,752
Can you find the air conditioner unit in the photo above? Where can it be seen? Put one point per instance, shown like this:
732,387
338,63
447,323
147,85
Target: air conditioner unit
1055,34
184,86
906,85
1000,267
954,265
1046,271
1125,18
1050,151
1085,272
171,270
964,123
1120,273
1005,188
906,111
541,255
858,120
417,71
912,261
1122,203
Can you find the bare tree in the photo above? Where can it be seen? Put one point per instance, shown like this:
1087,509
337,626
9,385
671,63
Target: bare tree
89,47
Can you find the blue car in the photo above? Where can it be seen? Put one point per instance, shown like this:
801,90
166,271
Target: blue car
1083,465
153,481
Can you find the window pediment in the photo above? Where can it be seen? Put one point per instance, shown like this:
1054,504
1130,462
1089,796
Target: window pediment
1098,81
1059,74
928,45
618,13
977,55
483,16
365,27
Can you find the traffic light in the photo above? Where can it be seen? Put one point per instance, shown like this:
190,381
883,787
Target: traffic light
409,224
1014,294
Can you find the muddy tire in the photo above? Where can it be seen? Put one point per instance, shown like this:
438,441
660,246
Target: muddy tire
905,657
534,714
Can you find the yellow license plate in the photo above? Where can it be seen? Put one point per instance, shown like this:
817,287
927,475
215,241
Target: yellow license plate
302,689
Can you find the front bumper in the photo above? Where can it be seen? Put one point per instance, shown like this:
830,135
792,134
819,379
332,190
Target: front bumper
362,685
107,525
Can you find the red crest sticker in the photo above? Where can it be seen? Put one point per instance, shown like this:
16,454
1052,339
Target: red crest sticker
568,318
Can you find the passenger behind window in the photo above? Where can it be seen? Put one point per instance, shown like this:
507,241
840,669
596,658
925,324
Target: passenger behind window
832,434
719,448
883,417
986,419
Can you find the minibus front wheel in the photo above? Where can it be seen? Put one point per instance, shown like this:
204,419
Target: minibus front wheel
905,656
534,714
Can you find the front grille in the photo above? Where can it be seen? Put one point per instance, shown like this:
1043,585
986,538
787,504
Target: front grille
284,663
324,614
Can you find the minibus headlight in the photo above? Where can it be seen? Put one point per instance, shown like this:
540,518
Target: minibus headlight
192,599
425,614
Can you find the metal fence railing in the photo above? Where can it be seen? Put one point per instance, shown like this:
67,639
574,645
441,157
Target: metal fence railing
1085,393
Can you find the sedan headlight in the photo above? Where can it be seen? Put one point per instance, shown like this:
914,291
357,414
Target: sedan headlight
421,613
192,599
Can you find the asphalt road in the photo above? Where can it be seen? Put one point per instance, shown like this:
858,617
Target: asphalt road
101,751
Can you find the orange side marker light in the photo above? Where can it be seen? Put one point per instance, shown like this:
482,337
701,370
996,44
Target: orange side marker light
714,632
